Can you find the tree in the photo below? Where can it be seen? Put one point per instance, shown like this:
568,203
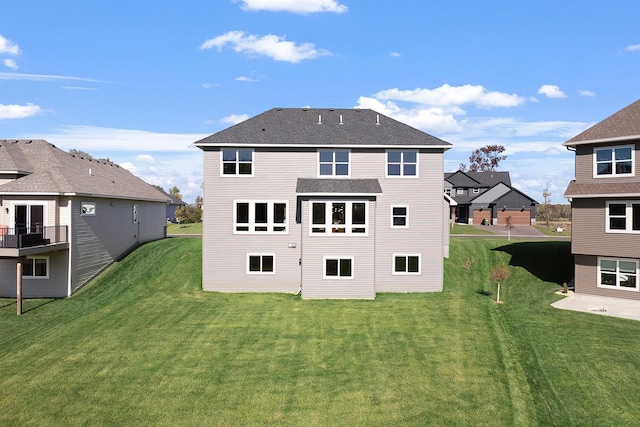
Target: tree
485,159
499,274
546,208
157,187
175,192
180,214
80,153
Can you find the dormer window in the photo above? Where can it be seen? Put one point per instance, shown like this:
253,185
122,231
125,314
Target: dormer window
613,161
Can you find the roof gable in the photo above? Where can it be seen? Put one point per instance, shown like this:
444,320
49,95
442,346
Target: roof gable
461,179
321,128
492,194
622,125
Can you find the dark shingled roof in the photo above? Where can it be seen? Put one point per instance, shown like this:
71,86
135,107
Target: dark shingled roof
478,179
48,169
621,189
624,124
338,186
322,127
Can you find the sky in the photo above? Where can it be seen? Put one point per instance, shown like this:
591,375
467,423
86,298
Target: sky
139,82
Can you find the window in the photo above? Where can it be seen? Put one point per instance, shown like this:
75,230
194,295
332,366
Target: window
338,267
36,267
260,264
623,217
88,209
406,264
237,162
260,217
447,191
613,161
338,218
618,273
333,163
402,163
399,216
476,190
460,191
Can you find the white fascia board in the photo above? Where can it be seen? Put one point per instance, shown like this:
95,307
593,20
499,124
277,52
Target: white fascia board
602,140
388,147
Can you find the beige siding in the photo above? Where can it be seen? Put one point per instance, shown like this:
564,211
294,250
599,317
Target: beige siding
100,239
584,164
589,236
586,280
276,173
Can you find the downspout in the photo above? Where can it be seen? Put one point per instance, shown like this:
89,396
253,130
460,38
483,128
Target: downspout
301,245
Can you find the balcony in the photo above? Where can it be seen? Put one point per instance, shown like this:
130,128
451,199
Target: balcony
17,242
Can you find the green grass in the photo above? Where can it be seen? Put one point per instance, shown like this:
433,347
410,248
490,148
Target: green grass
552,231
184,228
467,229
143,345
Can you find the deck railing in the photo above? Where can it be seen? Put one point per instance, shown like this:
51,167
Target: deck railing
18,238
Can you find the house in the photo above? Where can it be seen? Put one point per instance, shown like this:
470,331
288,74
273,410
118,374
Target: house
335,203
488,198
605,206
65,218
172,206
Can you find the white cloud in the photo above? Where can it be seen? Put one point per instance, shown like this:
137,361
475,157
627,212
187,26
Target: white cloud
234,119
44,77
395,54
585,92
447,95
632,48
245,79
10,63
91,138
294,6
551,91
8,47
79,88
12,111
146,158
272,46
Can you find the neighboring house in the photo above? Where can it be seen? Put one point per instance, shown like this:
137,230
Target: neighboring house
489,198
65,218
605,206
336,203
172,206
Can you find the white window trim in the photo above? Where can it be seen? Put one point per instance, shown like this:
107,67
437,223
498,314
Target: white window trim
45,257
238,174
406,216
252,220
628,216
333,163
447,191
476,190
249,255
91,212
328,225
402,175
406,273
614,174
337,257
459,191
618,287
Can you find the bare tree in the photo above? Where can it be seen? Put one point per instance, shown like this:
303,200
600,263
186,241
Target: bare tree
546,195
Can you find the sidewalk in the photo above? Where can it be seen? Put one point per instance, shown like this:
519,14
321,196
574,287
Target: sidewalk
605,306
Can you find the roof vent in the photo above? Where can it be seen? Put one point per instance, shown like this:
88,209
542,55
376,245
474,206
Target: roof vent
377,119
341,119
319,119
90,172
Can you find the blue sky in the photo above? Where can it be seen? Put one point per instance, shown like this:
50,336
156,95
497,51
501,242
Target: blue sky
140,83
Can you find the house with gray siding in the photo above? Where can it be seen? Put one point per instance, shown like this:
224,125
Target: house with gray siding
605,206
64,218
488,198
333,203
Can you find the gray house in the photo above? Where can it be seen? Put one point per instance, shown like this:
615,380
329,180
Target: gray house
172,206
65,218
605,206
335,203
489,198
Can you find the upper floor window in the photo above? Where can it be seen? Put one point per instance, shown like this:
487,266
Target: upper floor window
618,273
237,162
614,161
333,163
476,190
460,191
338,218
260,217
447,191
402,163
400,216
623,216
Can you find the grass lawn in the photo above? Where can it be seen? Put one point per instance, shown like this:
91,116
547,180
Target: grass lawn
144,345
467,229
184,228
552,231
